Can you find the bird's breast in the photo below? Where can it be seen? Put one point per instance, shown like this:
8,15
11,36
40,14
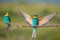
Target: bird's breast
35,22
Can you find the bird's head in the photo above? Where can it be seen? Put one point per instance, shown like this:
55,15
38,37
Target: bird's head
35,16
6,14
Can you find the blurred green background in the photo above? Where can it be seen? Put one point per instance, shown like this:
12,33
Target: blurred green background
25,33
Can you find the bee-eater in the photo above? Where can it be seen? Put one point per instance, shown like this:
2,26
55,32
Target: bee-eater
7,21
35,22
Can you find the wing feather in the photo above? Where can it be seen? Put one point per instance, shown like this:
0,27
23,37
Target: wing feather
26,16
46,19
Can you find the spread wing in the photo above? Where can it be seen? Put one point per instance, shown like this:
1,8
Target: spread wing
46,19
26,16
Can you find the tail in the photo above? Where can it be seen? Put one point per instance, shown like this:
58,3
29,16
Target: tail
34,33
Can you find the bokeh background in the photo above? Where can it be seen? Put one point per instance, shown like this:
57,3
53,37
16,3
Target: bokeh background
39,7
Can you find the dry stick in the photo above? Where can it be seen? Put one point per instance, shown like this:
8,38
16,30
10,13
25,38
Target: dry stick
17,25
14,25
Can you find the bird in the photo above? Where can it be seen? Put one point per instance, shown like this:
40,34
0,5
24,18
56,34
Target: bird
7,21
34,21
